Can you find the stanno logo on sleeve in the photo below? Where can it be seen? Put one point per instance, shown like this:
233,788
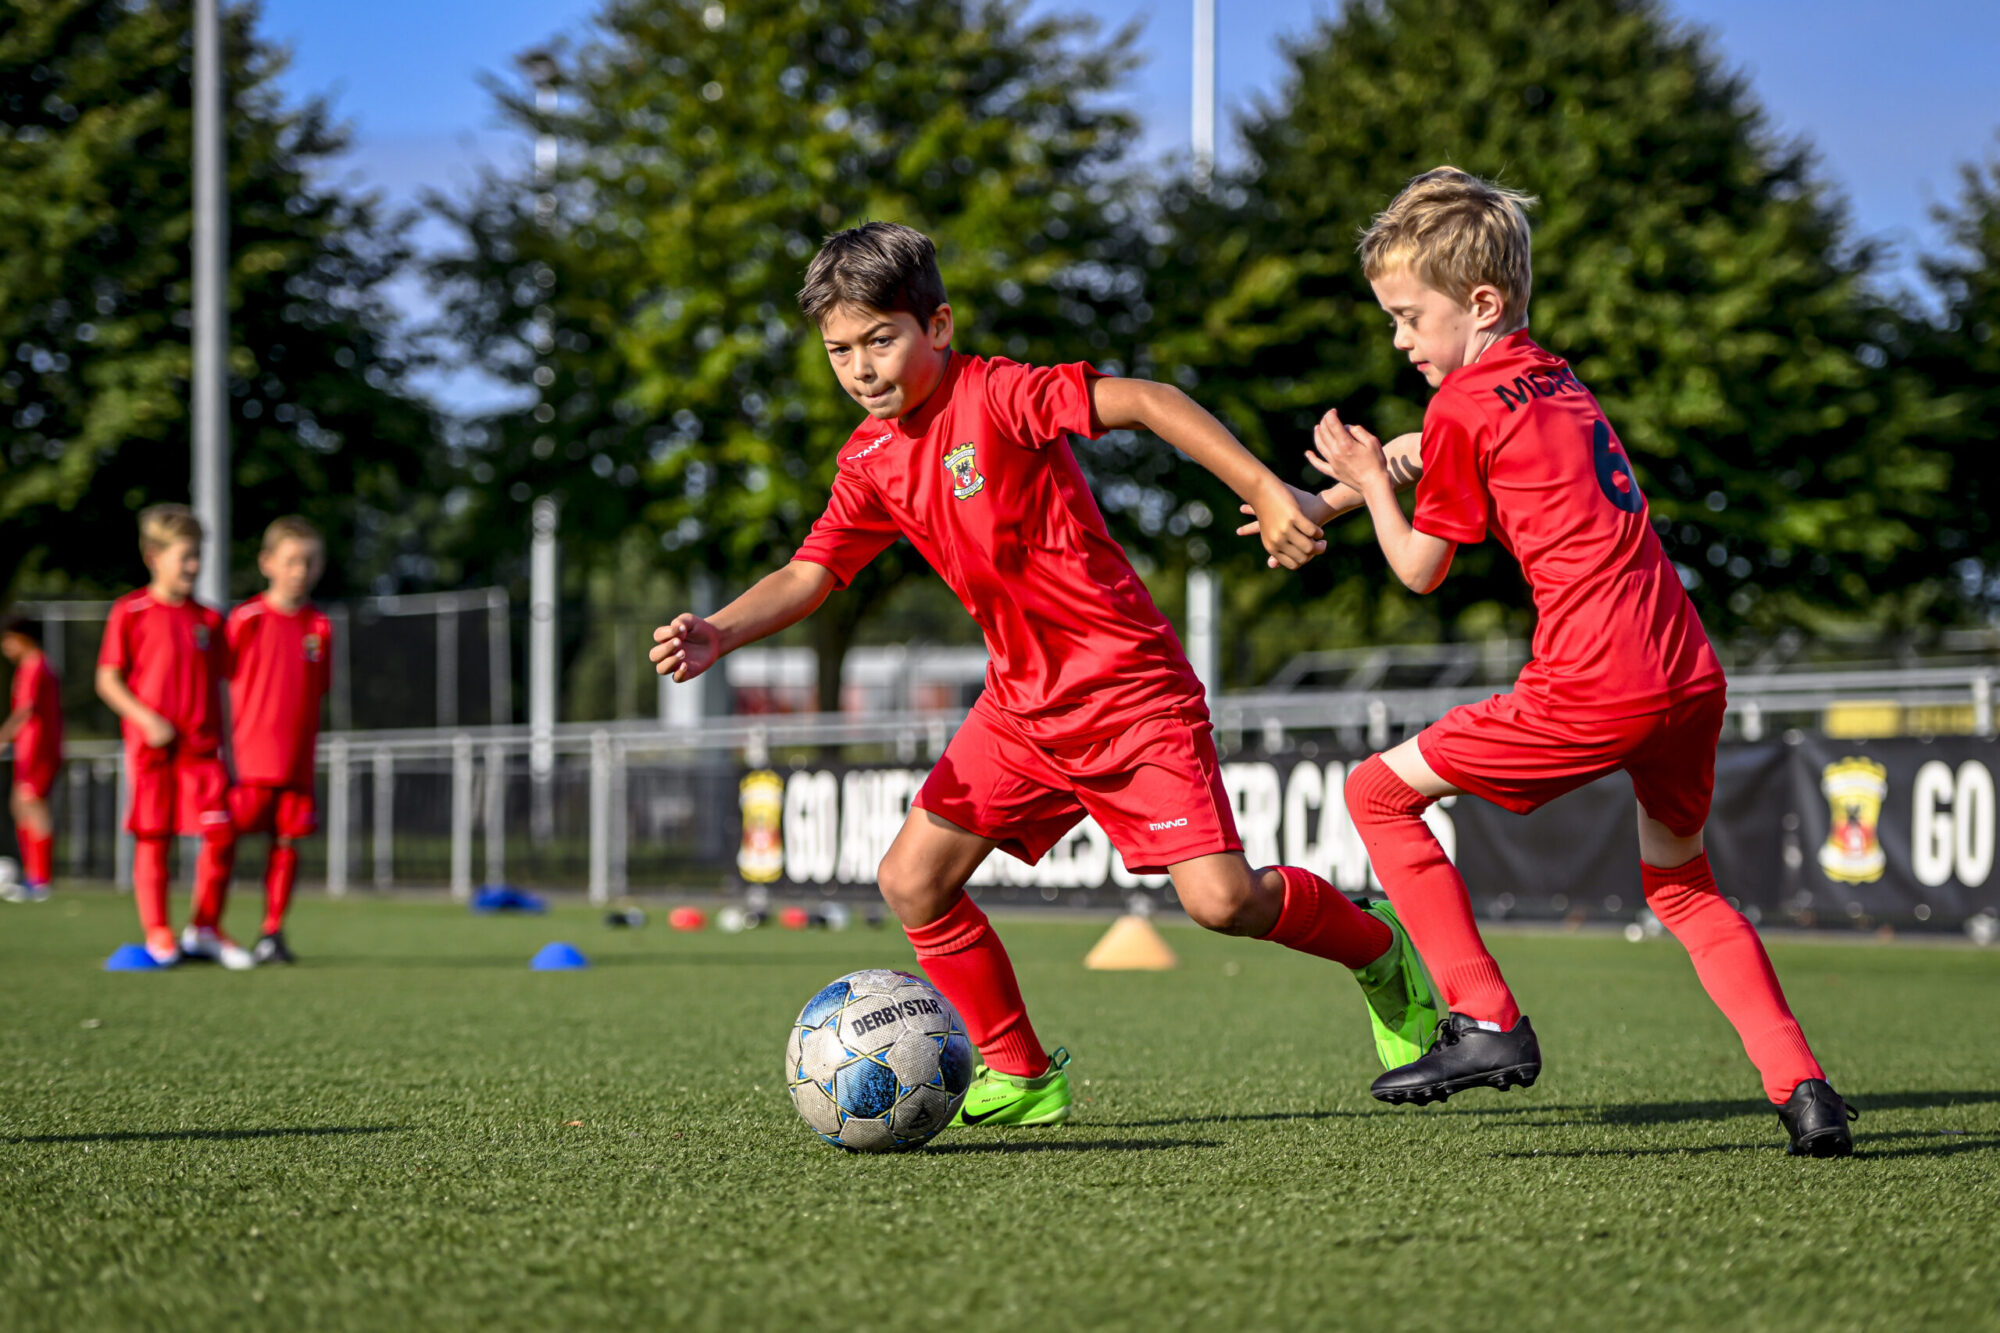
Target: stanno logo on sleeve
964,469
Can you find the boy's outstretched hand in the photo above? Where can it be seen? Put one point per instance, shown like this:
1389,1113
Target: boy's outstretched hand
1285,524
685,648
1346,453
1303,506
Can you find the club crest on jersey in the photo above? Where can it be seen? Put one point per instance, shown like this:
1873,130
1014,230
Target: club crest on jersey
964,469
201,638
312,648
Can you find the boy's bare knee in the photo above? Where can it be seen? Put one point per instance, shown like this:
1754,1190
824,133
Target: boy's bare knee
914,894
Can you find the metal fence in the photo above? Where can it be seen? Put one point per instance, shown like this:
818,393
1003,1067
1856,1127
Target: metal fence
630,805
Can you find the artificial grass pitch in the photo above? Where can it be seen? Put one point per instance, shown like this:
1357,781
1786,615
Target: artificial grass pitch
411,1129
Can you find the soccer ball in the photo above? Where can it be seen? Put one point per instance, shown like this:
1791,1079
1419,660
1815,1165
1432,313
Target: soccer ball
878,1062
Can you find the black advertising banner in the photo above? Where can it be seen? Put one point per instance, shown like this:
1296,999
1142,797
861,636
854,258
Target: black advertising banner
1813,831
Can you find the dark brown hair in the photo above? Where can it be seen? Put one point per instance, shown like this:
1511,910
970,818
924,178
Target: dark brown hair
23,624
876,266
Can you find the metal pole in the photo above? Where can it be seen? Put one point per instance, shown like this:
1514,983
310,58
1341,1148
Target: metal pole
1203,135
685,703
337,817
384,812
461,817
600,818
121,855
447,666
542,665
496,813
210,482
621,832
499,658
1202,618
341,705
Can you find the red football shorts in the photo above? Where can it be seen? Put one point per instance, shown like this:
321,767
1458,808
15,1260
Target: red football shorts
175,792
1516,754
284,811
1155,789
35,771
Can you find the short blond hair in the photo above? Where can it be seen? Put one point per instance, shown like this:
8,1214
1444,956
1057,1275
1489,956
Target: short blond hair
160,526
1456,232
291,527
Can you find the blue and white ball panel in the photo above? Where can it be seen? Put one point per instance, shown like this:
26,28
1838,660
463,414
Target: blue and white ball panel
820,1056
816,1108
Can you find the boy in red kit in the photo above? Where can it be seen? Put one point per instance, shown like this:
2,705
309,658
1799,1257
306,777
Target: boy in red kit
281,655
34,727
161,670
1622,678
1090,705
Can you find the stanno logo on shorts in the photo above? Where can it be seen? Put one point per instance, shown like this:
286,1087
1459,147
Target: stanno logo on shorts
964,469
1171,823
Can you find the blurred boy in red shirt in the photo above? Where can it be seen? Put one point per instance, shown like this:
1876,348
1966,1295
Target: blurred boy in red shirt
161,670
280,664
34,727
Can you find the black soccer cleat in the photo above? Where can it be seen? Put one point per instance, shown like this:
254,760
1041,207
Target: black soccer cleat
271,949
1464,1055
1817,1119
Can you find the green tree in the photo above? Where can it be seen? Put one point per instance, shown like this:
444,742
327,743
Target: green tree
1958,354
95,287
642,295
1694,269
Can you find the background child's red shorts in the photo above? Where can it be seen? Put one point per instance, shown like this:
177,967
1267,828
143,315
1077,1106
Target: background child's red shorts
1520,756
1155,788
36,770
174,791
280,810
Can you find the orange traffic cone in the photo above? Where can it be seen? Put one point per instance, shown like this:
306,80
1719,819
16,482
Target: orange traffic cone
1133,944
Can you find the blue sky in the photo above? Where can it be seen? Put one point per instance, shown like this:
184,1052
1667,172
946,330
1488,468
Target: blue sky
1894,96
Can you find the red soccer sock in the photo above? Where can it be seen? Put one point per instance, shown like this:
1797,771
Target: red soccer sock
149,882
1428,892
1318,919
279,873
36,856
965,959
213,866
1734,970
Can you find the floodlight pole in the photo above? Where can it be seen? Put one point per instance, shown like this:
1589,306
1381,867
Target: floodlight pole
1204,92
209,486
1204,589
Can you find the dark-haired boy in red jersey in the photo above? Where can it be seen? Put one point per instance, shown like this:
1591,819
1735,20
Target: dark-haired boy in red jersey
1090,705
281,656
1622,678
34,727
161,670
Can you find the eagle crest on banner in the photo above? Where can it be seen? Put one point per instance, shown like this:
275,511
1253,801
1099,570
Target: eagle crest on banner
1855,789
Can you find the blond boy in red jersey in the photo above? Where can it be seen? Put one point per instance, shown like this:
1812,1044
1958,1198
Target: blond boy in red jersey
1622,677
161,670
280,666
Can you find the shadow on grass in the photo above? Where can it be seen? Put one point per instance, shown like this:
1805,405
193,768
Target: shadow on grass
1929,1143
1636,1113
1072,1145
204,1135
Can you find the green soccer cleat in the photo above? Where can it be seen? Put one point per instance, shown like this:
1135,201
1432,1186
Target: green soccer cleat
1402,1004
1004,1099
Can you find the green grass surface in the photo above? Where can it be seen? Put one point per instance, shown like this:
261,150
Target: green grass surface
380,1138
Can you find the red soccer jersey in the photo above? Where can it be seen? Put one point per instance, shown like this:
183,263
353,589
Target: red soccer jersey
37,690
174,660
280,667
1514,443
982,481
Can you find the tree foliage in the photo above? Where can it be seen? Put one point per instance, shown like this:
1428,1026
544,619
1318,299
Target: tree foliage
95,285
642,297
1694,269
1957,356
